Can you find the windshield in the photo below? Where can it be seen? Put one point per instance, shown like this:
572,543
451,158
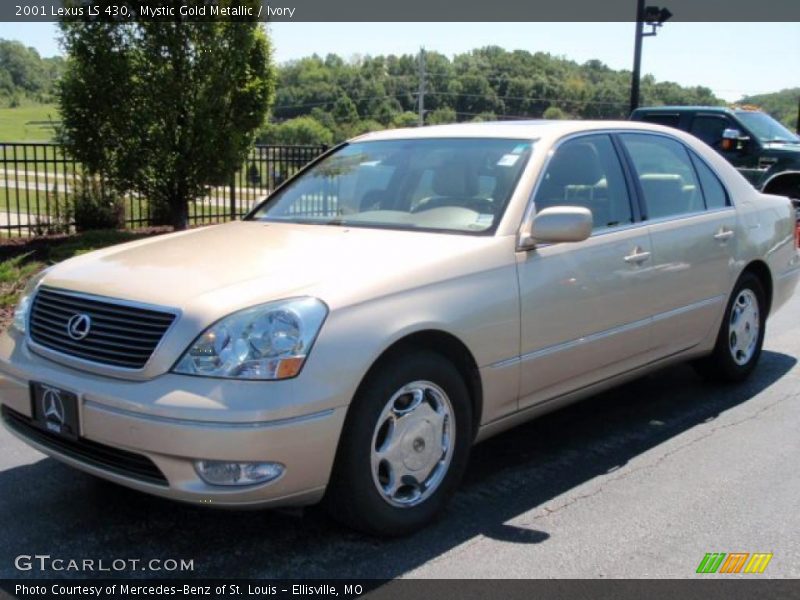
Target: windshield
765,128
454,185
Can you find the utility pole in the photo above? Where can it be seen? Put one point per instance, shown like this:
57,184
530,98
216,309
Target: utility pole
421,93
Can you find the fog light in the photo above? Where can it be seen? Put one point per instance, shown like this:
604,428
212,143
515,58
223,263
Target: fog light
218,472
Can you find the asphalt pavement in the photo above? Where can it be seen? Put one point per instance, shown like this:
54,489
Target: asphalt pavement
640,481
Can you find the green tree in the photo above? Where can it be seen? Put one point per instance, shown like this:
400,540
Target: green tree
406,119
164,109
302,130
345,111
553,112
441,116
24,75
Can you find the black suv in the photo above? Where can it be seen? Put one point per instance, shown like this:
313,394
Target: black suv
762,149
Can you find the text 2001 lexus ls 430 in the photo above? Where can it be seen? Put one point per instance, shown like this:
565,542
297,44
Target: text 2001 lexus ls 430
404,296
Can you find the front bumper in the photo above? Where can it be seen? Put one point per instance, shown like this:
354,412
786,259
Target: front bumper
174,420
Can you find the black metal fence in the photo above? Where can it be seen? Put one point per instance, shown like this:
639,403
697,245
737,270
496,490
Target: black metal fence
38,181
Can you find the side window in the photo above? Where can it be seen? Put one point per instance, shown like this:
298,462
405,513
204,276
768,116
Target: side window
715,195
709,128
666,175
670,120
586,172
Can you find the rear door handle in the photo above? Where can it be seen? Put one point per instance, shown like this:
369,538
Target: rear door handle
638,256
723,234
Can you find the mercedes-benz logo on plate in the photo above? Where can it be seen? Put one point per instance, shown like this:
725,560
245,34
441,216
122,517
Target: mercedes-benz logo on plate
78,326
52,406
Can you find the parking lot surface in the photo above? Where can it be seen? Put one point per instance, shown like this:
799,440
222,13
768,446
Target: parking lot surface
640,481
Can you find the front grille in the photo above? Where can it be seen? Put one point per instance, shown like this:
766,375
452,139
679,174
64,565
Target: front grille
119,335
104,457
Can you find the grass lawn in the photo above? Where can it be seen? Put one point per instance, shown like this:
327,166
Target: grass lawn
27,201
14,273
15,127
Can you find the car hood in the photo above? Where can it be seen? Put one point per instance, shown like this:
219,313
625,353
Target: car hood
231,266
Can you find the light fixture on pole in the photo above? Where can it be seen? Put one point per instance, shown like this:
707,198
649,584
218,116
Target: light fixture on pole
655,17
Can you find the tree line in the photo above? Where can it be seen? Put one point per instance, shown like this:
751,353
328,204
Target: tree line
782,105
324,100
25,76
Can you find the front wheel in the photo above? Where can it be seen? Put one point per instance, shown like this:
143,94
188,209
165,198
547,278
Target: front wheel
404,446
741,334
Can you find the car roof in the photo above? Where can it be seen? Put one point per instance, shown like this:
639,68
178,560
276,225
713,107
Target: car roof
683,109
527,130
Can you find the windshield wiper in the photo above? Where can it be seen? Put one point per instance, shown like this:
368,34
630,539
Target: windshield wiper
781,141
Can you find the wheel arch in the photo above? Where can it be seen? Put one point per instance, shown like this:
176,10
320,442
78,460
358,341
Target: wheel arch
450,347
761,270
781,181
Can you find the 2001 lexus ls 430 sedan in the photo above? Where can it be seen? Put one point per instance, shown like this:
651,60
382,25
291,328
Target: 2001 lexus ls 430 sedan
405,295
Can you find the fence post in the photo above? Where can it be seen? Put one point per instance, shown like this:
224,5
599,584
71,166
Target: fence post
233,196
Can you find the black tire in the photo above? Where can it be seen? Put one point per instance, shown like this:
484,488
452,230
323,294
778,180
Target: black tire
353,497
720,365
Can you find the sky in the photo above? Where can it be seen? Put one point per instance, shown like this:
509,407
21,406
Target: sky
733,59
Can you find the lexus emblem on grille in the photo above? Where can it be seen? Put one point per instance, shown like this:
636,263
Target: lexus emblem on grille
78,326
52,406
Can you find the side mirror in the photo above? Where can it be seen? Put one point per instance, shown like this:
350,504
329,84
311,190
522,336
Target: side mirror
732,134
558,224
733,139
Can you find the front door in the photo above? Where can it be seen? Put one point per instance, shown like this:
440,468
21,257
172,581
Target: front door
585,312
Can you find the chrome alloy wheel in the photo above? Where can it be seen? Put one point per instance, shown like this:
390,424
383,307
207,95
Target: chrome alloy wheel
413,444
744,327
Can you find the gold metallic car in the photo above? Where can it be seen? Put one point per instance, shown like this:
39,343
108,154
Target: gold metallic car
404,296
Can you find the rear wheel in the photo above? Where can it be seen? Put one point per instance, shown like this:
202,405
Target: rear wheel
404,446
741,334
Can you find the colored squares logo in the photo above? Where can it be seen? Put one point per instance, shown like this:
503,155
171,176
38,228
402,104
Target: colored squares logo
734,562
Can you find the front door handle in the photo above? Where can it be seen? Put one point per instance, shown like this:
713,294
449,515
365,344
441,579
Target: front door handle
638,256
723,234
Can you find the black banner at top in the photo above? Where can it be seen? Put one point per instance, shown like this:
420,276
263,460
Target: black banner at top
399,11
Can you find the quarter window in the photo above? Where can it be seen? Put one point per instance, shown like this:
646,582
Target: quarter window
586,172
713,192
666,175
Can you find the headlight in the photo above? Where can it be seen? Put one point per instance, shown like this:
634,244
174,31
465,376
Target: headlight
270,341
24,303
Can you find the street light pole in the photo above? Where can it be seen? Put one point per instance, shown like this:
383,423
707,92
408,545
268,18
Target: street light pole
637,55
655,17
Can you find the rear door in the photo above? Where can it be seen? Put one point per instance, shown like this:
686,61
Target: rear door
693,231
